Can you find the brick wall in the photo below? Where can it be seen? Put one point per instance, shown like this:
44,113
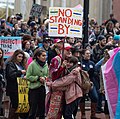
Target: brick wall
116,9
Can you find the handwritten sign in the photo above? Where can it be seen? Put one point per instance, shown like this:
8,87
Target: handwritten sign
65,22
9,45
36,10
23,105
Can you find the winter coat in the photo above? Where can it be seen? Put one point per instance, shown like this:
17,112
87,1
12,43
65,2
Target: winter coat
72,90
11,76
35,71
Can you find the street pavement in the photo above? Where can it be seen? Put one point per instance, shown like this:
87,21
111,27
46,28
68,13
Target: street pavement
88,112
101,116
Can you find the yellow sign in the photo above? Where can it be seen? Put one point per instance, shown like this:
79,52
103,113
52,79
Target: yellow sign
23,105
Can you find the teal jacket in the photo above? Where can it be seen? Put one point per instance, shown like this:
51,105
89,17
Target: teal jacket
35,71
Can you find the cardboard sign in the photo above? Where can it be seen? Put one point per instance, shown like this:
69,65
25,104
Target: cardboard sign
36,10
23,105
9,45
65,22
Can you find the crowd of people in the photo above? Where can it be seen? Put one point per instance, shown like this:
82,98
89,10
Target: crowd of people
45,62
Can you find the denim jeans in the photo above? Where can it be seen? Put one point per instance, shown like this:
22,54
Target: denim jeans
99,103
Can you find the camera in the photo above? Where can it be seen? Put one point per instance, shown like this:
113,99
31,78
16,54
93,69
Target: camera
2,81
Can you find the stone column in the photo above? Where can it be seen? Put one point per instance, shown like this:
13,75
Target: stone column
63,3
51,3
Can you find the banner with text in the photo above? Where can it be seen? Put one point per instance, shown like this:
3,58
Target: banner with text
23,105
65,22
36,10
9,45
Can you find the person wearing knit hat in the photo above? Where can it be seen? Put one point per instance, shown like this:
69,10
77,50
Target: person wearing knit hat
32,23
97,51
2,21
101,37
2,24
116,37
117,40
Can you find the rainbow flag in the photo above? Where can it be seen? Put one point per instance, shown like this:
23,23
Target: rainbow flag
111,79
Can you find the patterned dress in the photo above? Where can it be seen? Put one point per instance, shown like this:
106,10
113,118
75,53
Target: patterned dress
57,97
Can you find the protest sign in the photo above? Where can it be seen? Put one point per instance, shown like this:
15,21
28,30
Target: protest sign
65,22
9,25
23,105
36,10
9,45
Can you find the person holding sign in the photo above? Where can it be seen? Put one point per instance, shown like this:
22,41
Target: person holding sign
14,68
2,81
36,75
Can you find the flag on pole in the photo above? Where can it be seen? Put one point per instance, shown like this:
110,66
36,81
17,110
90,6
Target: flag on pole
111,78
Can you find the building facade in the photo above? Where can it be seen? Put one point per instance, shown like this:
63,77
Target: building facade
116,9
98,9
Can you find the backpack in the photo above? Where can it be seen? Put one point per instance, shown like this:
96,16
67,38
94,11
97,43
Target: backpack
86,83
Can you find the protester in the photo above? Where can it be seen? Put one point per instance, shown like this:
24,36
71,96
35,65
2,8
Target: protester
57,68
55,49
112,19
23,30
71,85
89,66
3,25
2,78
36,74
27,48
42,31
95,33
109,30
35,35
102,90
14,68
45,44
98,50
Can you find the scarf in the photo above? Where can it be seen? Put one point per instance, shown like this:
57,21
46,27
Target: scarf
71,68
40,62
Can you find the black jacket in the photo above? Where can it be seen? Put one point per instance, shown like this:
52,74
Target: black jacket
51,54
11,76
97,54
2,78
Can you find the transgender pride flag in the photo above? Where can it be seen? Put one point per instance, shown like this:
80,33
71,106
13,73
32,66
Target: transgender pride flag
9,26
111,78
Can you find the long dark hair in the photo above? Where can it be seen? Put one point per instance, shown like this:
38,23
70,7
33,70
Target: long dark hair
38,52
1,59
14,57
